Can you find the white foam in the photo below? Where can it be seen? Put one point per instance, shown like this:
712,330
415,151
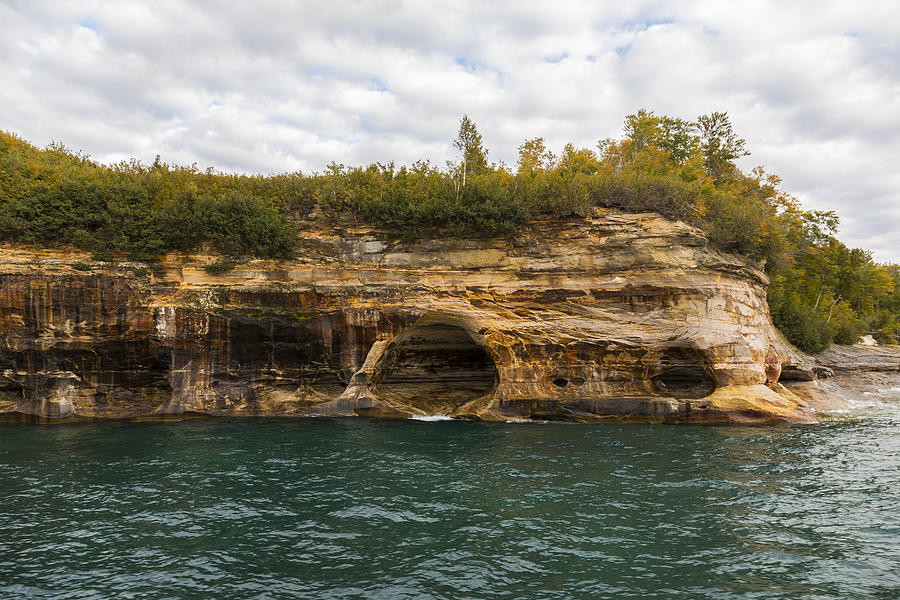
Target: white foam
431,418
868,405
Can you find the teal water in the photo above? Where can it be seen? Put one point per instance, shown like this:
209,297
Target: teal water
356,508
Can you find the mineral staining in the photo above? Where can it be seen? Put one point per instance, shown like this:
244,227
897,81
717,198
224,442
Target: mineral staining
617,316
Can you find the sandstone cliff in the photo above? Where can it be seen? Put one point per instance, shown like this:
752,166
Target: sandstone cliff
619,316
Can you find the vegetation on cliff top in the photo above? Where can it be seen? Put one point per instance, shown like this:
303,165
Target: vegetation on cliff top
821,290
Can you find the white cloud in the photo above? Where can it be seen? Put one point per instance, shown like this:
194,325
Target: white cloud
273,86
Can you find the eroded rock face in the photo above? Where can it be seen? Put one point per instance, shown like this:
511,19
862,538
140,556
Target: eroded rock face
436,368
620,316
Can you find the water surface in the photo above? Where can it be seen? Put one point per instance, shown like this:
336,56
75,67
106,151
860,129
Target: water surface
355,508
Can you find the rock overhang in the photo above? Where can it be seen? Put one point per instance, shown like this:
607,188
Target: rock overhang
605,304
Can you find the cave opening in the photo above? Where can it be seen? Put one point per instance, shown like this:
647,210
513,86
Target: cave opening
436,368
12,393
681,373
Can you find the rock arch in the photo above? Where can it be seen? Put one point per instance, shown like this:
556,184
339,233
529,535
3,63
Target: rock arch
436,367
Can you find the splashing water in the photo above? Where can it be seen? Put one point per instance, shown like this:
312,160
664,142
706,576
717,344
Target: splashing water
883,403
431,418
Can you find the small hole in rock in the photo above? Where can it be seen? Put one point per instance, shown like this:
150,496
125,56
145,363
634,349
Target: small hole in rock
560,382
577,381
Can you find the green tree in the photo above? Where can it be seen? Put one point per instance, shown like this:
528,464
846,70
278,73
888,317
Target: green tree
679,138
719,144
647,132
473,156
578,160
642,131
533,156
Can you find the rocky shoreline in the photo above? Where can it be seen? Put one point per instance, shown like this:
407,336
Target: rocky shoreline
625,317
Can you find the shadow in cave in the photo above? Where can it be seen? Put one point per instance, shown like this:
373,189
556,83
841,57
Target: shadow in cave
12,393
681,374
436,368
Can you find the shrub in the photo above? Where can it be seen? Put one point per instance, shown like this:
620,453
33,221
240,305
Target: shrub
843,324
222,265
102,255
802,326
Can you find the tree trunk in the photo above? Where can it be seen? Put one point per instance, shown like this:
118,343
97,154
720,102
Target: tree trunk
821,289
831,310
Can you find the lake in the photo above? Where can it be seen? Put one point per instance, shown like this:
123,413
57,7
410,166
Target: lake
357,508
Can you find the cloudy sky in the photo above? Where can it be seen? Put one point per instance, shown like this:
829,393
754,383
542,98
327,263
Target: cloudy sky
265,86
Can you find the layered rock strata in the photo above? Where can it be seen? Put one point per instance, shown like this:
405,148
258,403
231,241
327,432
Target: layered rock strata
618,316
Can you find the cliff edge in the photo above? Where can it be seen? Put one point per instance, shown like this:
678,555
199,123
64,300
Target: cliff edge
615,317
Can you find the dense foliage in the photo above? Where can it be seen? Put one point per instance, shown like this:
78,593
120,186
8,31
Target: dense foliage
54,196
821,290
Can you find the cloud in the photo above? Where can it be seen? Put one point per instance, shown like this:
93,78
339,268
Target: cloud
270,86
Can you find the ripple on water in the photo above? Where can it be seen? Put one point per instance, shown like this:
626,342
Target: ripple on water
445,509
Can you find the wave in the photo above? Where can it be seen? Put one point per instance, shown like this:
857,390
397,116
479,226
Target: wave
431,418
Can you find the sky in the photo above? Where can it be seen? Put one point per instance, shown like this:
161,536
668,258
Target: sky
267,87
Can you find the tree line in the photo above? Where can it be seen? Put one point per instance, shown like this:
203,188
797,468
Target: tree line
821,290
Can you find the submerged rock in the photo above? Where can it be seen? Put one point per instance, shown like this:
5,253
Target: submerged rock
619,316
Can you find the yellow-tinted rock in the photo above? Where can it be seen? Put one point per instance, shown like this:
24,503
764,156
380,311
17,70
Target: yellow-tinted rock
618,316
